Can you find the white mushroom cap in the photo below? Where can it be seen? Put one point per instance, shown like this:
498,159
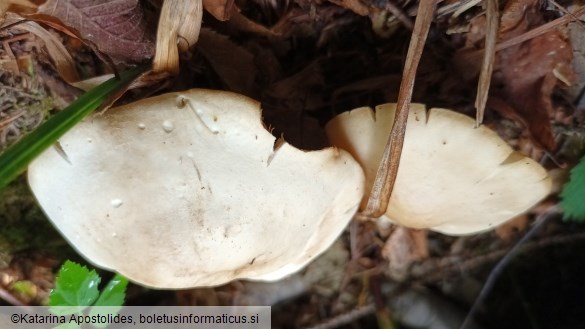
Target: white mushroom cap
453,178
188,189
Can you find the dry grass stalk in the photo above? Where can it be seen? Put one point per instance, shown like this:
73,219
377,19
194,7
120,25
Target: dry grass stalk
388,169
178,30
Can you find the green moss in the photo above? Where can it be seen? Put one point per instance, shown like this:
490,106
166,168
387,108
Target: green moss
22,223
25,104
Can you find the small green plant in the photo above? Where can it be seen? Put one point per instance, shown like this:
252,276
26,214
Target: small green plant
573,195
76,289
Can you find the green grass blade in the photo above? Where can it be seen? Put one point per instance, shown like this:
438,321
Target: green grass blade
17,158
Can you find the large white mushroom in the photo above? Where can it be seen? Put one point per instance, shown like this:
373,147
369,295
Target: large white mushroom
189,189
453,178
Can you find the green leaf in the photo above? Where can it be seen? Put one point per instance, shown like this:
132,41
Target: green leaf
573,195
75,286
114,293
16,158
111,299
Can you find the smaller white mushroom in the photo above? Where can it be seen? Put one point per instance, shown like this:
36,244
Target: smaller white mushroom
453,178
200,195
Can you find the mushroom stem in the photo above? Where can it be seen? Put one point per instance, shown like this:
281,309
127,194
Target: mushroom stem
388,169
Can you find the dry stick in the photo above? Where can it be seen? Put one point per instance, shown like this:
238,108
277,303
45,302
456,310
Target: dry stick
541,29
12,118
463,7
386,175
439,269
533,33
346,318
454,7
487,67
566,12
399,14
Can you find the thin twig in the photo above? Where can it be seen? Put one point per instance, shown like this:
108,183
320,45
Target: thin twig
455,7
541,29
12,118
399,14
386,175
346,318
438,269
566,12
533,33
487,67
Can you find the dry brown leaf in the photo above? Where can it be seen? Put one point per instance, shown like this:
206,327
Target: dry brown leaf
518,16
47,42
117,28
532,58
15,6
528,80
526,73
64,63
233,64
220,9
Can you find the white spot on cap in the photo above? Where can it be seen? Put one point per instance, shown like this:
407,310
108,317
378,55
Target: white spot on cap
116,203
141,125
168,126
